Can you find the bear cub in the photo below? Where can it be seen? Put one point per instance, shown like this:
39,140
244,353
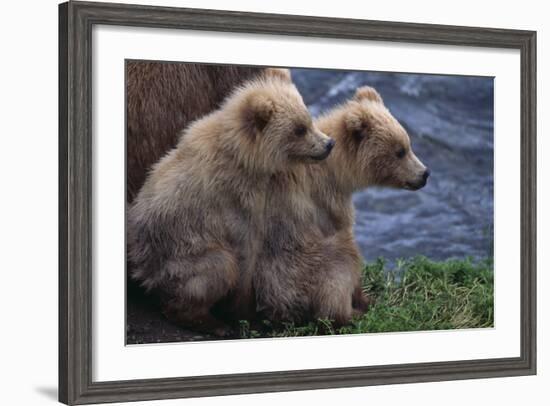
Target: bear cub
194,227
309,266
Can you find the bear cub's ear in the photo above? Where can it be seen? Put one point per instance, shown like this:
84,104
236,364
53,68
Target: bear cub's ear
367,93
281,73
258,110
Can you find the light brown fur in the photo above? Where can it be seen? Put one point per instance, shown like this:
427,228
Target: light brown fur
309,266
194,228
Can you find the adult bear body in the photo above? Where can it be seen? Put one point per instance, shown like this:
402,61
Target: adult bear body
162,99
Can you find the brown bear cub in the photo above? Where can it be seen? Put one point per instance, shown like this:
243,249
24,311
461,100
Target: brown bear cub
194,226
309,266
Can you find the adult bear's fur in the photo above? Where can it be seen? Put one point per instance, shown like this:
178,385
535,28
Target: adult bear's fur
162,99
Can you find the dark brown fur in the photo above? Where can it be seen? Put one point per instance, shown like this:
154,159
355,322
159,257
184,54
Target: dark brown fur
162,99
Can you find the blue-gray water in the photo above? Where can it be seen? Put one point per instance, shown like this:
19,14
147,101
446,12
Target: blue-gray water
450,121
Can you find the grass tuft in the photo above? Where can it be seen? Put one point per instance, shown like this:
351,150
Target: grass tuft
418,294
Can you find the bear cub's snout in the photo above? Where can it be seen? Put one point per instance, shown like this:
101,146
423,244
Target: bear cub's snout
328,145
421,182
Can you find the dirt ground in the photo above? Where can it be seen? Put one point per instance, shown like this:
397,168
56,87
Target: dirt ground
145,323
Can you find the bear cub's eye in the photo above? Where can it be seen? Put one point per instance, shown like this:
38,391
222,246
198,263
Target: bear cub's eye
357,134
401,153
300,130
360,133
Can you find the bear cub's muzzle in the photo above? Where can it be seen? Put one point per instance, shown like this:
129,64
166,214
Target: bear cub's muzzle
328,148
421,182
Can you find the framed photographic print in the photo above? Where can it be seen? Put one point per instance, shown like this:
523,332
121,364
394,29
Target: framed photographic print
258,202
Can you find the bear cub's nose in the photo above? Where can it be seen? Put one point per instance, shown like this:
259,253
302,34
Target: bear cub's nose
330,145
426,174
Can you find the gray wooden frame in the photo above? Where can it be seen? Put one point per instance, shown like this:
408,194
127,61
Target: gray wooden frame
76,20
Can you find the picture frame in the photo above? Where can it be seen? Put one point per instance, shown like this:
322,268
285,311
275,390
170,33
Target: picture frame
76,19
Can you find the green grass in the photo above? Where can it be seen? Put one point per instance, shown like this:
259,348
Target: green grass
418,294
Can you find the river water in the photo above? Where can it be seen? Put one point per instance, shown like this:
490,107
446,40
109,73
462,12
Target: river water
450,122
